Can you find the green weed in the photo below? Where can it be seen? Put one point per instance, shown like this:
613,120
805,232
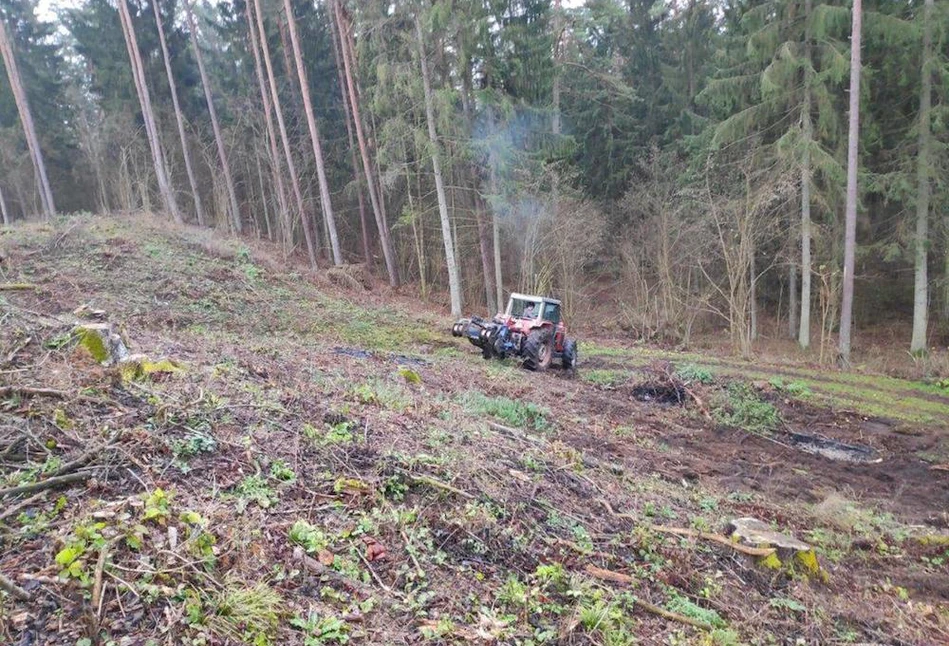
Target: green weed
695,374
382,393
157,506
604,378
511,411
744,409
255,489
320,630
311,538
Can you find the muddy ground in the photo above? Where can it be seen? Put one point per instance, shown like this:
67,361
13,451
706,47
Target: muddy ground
437,497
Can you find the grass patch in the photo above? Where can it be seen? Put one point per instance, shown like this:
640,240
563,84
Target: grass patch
510,411
604,378
694,373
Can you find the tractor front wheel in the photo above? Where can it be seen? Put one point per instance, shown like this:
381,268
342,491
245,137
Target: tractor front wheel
570,356
538,350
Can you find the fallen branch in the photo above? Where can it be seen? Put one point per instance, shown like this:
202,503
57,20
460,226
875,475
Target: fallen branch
317,568
16,287
13,589
15,351
97,584
715,538
69,478
14,509
27,391
625,579
698,402
515,433
86,457
691,533
438,484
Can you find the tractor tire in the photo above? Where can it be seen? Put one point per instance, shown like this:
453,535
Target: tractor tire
570,356
538,350
487,352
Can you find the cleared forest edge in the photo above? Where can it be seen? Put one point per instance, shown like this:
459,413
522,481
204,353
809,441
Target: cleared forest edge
292,462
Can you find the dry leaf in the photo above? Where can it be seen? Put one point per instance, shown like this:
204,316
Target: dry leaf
375,551
326,557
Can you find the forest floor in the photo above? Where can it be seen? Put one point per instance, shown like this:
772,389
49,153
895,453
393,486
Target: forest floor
316,465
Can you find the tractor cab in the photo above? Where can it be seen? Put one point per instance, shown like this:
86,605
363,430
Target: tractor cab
525,313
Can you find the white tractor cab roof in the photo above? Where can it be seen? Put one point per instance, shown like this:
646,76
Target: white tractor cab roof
514,310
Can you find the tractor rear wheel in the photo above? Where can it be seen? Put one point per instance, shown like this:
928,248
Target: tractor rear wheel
569,357
538,350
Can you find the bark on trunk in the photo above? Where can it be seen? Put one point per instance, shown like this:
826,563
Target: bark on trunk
215,124
793,311
374,198
179,119
328,217
921,288
454,280
3,209
291,167
850,217
151,129
26,119
804,329
271,133
363,223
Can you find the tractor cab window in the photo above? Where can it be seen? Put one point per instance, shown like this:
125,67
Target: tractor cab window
552,313
524,309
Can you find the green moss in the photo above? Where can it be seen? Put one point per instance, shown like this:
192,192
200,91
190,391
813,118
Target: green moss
138,369
92,341
771,561
807,561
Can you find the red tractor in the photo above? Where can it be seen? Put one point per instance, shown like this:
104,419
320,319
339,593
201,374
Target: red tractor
530,328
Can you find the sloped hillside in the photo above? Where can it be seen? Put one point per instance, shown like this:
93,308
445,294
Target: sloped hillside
289,458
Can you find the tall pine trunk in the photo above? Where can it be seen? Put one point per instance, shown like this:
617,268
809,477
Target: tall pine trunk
215,124
454,280
850,216
287,153
804,329
363,223
328,218
3,209
145,101
921,288
26,119
272,141
179,118
374,191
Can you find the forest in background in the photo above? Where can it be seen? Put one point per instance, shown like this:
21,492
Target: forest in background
683,161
